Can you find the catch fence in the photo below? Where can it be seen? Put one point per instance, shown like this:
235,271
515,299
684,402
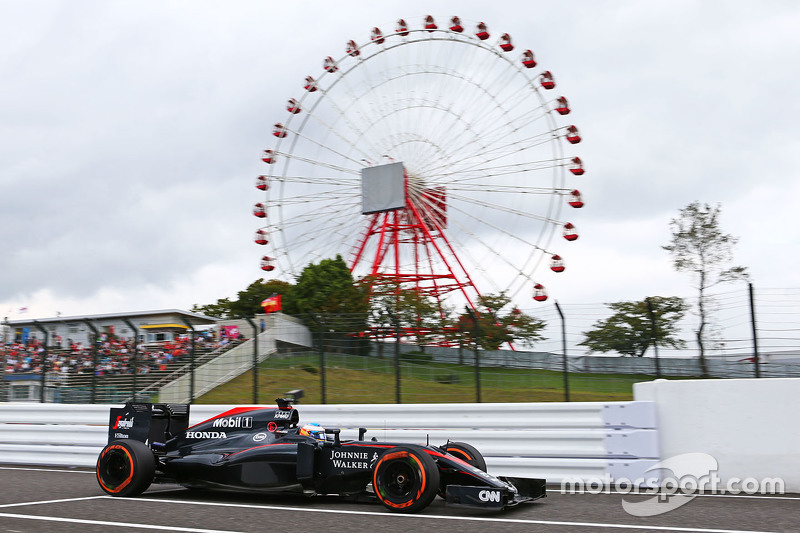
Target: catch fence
332,359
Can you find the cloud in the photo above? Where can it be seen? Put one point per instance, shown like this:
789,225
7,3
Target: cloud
130,137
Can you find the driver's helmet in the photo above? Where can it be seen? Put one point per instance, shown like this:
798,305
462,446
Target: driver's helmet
313,430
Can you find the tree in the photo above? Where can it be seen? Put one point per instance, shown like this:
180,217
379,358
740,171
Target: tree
496,328
328,292
629,330
249,300
699,246
221,309
416,313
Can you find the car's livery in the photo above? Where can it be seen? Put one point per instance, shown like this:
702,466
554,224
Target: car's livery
261,449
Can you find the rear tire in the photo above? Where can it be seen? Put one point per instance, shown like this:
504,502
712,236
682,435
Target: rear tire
125,468
466,453
405,479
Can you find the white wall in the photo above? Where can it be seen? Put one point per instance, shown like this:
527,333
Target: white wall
750,426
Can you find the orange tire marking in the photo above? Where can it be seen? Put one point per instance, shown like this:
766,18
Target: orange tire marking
127,481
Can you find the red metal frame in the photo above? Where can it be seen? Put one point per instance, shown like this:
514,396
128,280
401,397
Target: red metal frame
418,229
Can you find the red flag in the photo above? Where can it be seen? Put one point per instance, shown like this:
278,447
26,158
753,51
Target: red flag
272,304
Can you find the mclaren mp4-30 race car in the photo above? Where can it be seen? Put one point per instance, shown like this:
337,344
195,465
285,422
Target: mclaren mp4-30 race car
262,449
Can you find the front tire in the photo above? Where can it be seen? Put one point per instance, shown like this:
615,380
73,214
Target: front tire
405,479
125,468
467,453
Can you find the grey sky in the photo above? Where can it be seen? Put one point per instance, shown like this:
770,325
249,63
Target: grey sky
130,135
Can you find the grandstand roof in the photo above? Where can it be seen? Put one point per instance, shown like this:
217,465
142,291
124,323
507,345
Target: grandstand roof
196,319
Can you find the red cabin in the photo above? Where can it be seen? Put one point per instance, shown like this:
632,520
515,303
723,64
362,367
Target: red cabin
430,24
573,136
577,166
570,232
329,64
266,264
310,85
293,106
268,156
528,59
377,35
402,27
562,106
262,183
261,237
539,294
279,131
482,32
352,48
260,210
557,263
505,43
575,199
455,25
546,79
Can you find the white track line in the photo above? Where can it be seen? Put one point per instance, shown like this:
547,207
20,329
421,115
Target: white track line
113,524
43,502
457,518
68,471
616,493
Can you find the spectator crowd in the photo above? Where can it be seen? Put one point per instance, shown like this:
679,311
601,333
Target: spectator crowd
114,355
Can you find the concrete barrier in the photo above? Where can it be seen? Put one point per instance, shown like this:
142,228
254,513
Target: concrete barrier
750,427
553,440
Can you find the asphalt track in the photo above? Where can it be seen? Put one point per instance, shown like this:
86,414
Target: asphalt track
37,499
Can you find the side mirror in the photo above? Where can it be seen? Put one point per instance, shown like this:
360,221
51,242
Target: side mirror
335,433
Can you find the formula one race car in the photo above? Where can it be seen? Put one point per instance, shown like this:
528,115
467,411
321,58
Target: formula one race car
265,450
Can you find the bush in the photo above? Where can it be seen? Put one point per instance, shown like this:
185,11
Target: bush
311,369
417,358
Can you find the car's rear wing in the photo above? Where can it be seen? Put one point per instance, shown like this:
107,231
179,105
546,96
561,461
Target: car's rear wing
148,422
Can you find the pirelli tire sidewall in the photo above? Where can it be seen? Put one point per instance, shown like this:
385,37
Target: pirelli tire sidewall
405,479
125,468
467,453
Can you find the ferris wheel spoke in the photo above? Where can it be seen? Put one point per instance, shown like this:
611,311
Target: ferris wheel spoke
476,175
510,210
342,111
486,246
500,152
502,137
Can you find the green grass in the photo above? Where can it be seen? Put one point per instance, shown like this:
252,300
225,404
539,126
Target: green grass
352,379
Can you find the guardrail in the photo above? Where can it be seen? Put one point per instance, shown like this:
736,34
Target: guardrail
556,441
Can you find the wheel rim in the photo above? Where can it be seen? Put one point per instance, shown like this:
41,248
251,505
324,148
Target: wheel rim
115,469
401,480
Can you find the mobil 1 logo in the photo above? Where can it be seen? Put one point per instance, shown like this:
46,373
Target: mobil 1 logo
234,422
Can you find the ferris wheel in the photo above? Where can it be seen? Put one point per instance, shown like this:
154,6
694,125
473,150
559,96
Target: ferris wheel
433,155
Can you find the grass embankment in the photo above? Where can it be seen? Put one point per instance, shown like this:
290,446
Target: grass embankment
350,379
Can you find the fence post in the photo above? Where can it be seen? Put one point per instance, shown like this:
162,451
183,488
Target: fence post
755,335
255,358
191,361
95,340
477,354
42,395
564,348
135,355
654,333
321,344
398,395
